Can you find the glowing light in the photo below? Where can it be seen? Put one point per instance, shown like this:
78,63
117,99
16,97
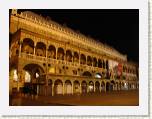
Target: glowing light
97,76
52,70
27,77
37,75
15,77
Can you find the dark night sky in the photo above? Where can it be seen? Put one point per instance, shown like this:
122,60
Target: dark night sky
117,28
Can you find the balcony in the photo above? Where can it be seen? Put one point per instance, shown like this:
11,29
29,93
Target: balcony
54,61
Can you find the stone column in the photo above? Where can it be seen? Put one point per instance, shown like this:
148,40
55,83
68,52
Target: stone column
100,88
105,87
86,59
94,87
56,53
52,88
63,88
34,47
80,89
79,58
20,48
72,88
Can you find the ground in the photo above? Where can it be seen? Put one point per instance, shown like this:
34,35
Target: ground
115,98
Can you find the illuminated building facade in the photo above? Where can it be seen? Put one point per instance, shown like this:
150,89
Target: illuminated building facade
51,59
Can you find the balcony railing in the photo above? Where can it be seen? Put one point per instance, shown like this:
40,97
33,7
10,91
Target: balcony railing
54,61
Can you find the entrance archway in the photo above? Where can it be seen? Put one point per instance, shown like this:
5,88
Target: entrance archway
76,87
84,87
107,86
68,87
97,87
58,87
91,87
32,83
102,86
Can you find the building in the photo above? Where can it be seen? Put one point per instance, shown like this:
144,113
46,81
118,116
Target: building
49,59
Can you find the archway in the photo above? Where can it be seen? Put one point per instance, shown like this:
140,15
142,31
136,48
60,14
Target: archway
86,73
60,54
68,87
107,86
97,87
76,87
40,49
102,86
112,85
27,46
84,87
58,87
52,52
91,87
69,55
99,63
83,59
76,57
32,83
95,62
89,61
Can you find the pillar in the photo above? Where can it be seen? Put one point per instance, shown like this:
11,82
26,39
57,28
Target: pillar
56,53
63,88
46,51
105,87
79,58
94,87
52,88
34,47
72,88
100,88
20,48
86,59
80,89
87,88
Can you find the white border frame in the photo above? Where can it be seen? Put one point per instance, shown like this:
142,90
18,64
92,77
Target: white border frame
142,109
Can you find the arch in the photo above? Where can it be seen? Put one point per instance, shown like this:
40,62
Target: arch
99,63
107,86
122,85
51,52
103,64
33,69
84,87
40,49
87,73
58,87
97,86
103,86
112,85
76,87
76,57
91,86
69,55
95,62
89,61
107,65
68,87
117,86
83,59
32,72
27,46
60,54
